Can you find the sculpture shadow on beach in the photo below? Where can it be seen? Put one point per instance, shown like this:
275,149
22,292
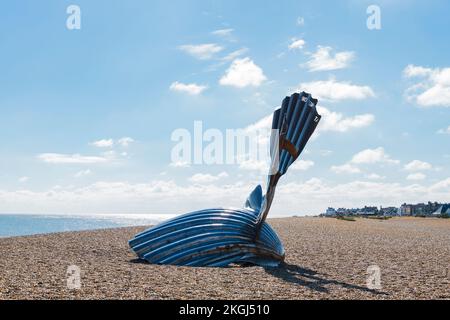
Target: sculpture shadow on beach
139,261
312,280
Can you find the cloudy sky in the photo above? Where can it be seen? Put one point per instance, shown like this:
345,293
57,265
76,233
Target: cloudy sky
86,115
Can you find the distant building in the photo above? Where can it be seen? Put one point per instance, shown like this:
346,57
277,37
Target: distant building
420,209
389,211
330,212
406,209
443,209
368,211
432,207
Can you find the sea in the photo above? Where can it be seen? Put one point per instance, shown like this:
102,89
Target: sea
12,225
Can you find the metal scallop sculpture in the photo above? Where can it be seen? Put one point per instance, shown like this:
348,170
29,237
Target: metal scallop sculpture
219,237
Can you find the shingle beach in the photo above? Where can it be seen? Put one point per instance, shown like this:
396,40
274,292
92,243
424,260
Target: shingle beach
326,258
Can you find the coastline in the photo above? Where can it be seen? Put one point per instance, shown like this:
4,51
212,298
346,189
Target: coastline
12,225
325,259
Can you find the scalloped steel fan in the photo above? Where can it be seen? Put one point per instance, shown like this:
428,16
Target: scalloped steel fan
219,237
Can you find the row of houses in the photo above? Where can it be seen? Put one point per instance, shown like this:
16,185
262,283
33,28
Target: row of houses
423,209
420,209
352,212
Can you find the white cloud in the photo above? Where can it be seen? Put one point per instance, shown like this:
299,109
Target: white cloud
325,153
190,88
125,141
254,165
257,99
323,60
57,158
264,123
166,196
297,44
345,168
160,196
104,143
82,173
335,121
435,96
302,165
444,131
331,121
335,91
369,156
180,164
207,178
374,176
416,71
416,176
110,154
109,143
223,32
300,21
201,51
23,179
432,90
233,55
242,73
417,165
259,134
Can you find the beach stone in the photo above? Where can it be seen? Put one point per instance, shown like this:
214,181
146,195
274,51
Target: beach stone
326,258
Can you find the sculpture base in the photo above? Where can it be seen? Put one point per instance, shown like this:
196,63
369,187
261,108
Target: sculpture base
210,238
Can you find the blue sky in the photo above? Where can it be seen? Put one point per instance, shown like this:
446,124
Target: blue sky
87,115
